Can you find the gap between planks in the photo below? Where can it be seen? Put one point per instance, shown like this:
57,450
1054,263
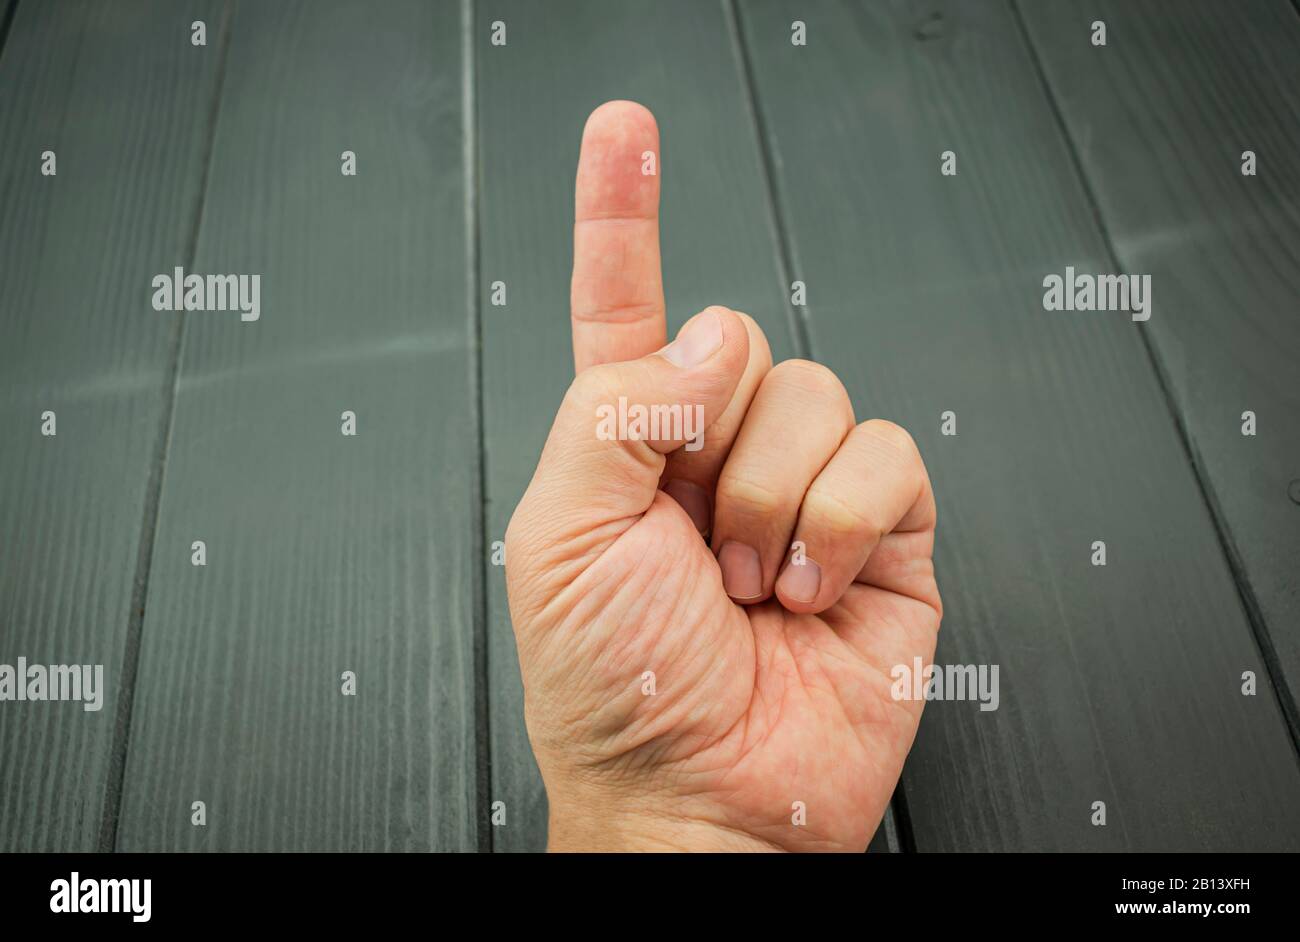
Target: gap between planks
480,541
114,786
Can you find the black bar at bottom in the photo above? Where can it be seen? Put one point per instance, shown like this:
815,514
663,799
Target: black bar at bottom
603,893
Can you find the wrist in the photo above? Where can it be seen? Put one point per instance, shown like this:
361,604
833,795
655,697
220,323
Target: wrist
590,827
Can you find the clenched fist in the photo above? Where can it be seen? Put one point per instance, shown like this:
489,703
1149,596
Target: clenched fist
706,635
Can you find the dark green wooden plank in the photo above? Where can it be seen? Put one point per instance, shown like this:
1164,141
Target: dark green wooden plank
1160,117
325,553
560,61
1118,684
122,98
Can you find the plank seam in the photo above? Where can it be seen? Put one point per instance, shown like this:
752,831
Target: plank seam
781,244
480,540
896,821
1245,591
11,9
114,788
898,828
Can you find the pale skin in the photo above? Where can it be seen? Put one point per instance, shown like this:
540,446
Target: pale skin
688,684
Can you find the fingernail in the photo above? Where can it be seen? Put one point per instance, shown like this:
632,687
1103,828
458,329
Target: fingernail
694,500
697,342
800,582
742,575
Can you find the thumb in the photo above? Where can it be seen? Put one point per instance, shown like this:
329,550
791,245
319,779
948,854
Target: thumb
601,465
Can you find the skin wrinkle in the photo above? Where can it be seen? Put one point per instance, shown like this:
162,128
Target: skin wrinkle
675,667
616,217
841,697
640,311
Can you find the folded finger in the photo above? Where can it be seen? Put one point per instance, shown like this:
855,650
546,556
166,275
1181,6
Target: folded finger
874,488
796,422
691,474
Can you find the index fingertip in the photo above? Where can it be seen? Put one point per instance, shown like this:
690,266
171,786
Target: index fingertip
618,167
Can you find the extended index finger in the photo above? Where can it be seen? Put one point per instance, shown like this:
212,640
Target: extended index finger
617,293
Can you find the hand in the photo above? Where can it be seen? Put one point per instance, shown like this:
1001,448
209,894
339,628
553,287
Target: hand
688,683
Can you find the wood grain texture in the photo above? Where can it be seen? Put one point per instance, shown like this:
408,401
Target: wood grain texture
325,553
1160,117
121,98
1119,683
534,94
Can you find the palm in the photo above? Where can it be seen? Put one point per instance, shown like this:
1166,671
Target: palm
753,708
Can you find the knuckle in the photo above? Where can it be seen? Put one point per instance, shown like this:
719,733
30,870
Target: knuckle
835,516
811,376
593,386
748,498
894,437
